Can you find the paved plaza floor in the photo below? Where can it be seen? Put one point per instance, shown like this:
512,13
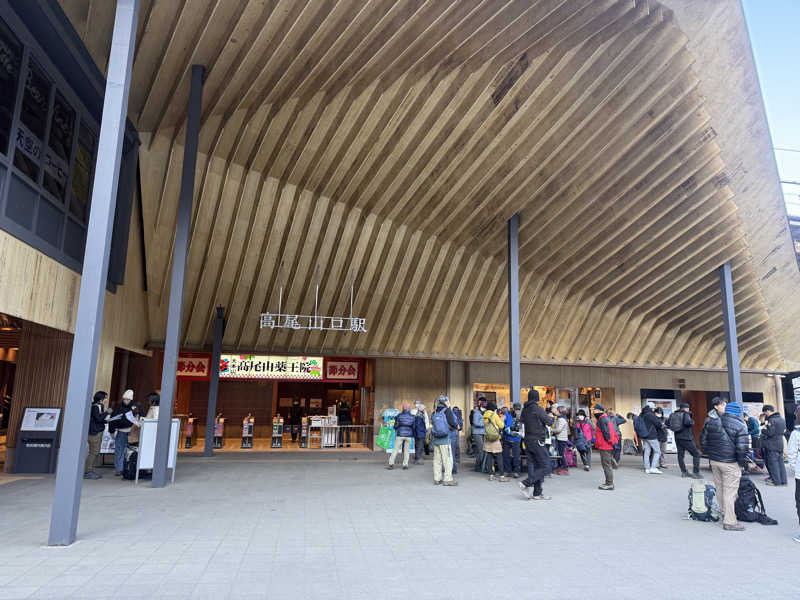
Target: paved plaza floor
340,526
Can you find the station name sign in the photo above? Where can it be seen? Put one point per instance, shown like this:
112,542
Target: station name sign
313,322
263,366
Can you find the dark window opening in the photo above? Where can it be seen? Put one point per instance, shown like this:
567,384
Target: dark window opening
33,121
10,62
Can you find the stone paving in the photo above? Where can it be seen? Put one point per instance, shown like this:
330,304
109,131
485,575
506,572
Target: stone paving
341,526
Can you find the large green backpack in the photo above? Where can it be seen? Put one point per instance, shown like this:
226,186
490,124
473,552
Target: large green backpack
492,433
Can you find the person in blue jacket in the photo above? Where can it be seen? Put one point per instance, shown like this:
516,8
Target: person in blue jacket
512,442
404,426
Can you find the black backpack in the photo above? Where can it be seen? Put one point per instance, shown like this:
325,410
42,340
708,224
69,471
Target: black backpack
129,466
749,505
675,422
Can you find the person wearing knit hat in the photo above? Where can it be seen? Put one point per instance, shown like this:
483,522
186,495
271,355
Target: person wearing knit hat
605,438
121,421
727,444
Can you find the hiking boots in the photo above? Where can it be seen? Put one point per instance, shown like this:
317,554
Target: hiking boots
692,475
437,482
502,479
390,467
541,497
450,483
605,486
586,467
405,467
736,527
491,477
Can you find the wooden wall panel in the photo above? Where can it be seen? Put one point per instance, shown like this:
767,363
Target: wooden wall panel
41,376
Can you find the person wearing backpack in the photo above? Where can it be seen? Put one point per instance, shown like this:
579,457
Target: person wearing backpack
404,429
772,446
512,442
455,442
682,425
442,423
584,436
605,438
478,433
793,451
420,431
724,440
647,427
492,446
535,422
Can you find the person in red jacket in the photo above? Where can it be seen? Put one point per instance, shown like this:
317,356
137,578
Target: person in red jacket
605,438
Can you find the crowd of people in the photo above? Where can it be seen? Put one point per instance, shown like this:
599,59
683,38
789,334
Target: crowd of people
548,440
124,424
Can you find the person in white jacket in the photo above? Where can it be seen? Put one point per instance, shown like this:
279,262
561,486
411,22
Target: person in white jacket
561,432
794,459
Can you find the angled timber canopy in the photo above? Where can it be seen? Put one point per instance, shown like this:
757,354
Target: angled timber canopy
394,139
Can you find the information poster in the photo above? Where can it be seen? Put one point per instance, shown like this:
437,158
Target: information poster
40,419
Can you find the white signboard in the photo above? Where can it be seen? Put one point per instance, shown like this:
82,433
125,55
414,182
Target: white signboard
147,446
40,419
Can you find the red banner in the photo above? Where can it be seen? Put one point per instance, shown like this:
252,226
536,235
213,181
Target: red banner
343,369
194,366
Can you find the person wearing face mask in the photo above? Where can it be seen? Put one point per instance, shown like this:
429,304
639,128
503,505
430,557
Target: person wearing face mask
584,435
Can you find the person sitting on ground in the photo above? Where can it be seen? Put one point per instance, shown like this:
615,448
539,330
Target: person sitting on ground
650,445
443,422
455,442
420,431
478,432
616,421
404,428
561,433
663,436
492,446
535,422
512,442
605,438
682,426
97,424
724,440
772,446
584,436
793,452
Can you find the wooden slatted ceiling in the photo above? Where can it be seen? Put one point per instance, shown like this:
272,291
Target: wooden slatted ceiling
393,140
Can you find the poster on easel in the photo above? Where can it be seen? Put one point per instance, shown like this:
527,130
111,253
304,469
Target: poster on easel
147,446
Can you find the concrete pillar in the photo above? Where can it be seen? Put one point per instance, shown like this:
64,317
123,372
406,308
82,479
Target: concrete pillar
213,384
513,310
731,342
89,321
179,256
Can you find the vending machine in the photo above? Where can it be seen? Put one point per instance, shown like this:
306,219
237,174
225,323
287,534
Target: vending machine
304,433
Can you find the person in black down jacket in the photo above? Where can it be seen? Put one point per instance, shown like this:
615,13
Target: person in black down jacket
97,423
650,446
725,442
535,421
404,426
772,445
682,425
663,436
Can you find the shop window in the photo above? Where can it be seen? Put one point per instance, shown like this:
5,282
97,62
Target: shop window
10,61
59,148
82,175
33,121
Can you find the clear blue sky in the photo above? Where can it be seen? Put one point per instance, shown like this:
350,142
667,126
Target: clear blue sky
773,26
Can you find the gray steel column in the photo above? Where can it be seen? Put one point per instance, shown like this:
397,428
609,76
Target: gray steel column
89,322
513,308
213,384
731,342
179,255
